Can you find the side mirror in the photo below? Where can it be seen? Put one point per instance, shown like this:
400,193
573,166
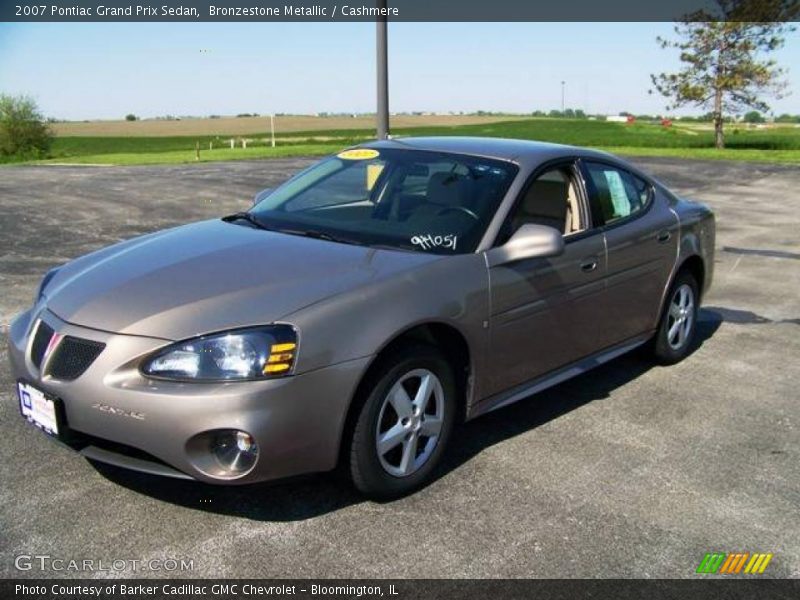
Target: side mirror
529,241
261,195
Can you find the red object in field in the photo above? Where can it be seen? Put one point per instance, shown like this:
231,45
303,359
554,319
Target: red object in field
631,119
666,122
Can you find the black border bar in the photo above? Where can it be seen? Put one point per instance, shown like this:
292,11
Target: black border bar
398,10
732,588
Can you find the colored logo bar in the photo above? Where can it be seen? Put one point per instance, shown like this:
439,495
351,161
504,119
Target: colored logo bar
732,563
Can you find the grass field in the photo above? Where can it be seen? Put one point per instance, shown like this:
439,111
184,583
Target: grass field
776,144
237,126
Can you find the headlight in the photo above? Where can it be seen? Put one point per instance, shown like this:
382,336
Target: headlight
259,353
43,285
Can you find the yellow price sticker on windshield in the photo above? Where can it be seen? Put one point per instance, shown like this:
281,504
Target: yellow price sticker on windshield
358,154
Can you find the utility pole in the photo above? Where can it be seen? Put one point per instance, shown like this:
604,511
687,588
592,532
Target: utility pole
382,62
563,86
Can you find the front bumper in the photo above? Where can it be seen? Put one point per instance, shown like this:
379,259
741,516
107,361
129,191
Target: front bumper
115,415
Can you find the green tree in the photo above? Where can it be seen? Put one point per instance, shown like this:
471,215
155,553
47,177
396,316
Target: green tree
753,117
24,134
725,58
131,117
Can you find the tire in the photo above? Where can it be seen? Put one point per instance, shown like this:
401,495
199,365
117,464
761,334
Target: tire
391,412
676,331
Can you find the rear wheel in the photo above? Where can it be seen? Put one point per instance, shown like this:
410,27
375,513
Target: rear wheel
404,423
679,321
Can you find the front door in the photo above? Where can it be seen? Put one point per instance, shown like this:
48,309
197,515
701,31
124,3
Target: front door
543,310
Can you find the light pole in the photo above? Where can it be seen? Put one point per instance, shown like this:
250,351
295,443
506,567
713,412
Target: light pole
382,62
272,128
563,86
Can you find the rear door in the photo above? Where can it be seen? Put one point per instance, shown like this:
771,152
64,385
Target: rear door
641,234
544,310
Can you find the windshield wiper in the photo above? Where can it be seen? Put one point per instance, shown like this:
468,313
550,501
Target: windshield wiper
317,235
246,216
320,235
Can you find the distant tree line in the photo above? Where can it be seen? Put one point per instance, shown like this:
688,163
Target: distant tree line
567,113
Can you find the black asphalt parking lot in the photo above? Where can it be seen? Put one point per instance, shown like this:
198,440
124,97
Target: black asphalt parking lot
631,470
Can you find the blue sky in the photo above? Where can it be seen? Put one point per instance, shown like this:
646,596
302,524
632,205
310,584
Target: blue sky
106,70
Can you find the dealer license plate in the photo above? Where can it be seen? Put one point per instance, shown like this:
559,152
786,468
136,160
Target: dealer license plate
37,408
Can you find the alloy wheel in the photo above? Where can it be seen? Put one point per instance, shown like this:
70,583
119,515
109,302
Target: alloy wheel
410,422
680,317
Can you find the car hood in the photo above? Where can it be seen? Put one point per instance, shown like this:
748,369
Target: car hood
211,276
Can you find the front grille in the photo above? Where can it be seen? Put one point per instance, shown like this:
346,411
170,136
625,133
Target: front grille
72,357
40,340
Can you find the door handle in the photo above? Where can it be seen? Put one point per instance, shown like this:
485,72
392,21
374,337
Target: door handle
663,236
589,265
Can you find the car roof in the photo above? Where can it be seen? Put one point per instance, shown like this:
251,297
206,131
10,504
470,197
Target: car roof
527,151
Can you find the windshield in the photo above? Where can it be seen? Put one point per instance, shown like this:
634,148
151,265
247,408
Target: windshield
406,199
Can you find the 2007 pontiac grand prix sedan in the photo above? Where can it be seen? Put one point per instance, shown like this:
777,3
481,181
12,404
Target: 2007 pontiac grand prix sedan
356,313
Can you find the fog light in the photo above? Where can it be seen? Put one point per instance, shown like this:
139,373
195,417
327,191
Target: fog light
223,453
235,451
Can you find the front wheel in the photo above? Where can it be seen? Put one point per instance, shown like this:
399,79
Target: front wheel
679,321
404,423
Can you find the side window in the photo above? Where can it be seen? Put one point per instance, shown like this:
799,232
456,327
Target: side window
552,200
619,193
